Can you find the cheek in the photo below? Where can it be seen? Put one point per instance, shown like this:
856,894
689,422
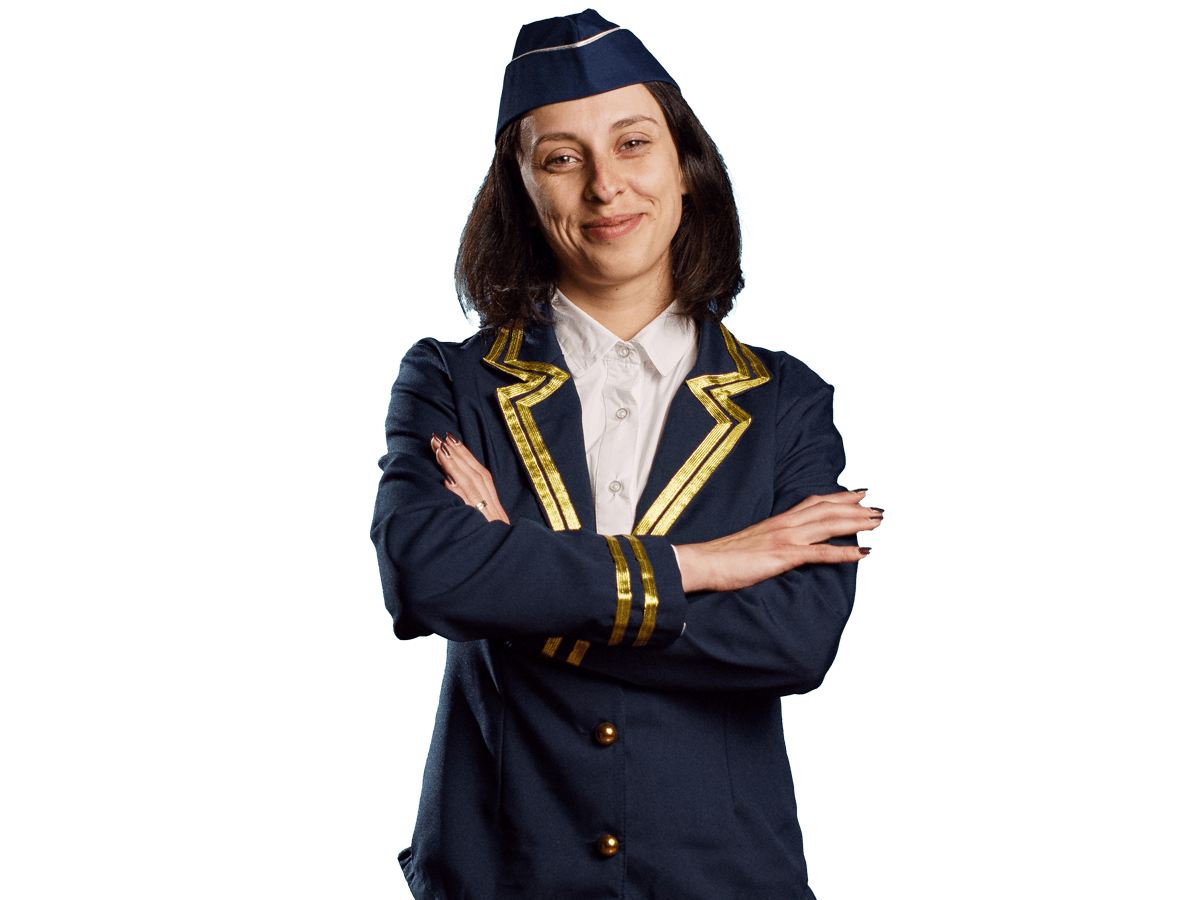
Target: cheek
553,216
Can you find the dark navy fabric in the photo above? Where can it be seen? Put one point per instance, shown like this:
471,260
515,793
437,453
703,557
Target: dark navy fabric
546,69
697,786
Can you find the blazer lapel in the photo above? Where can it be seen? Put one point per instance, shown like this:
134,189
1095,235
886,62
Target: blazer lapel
545,423
703,425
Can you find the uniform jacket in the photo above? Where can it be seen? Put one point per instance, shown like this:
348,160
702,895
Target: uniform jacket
575,705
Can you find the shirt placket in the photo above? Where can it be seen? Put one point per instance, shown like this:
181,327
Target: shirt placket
616,464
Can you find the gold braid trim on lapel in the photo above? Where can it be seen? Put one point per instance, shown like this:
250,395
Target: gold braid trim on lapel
538,381
714,392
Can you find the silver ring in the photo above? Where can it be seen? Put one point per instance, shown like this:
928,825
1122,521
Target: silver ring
481,504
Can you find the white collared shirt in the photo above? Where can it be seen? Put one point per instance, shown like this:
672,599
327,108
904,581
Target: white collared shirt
625,389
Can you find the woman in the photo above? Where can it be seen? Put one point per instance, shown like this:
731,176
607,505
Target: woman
627,523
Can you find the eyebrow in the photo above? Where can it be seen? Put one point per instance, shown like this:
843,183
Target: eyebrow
568,136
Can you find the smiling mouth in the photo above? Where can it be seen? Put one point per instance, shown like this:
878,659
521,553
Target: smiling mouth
609,228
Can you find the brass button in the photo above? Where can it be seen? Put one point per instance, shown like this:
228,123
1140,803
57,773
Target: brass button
605,733
607,845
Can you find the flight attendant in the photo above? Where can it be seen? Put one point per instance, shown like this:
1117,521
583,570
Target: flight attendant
626,522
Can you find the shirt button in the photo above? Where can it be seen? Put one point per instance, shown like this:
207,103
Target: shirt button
605,734
607,845
622,413
615,487
622,352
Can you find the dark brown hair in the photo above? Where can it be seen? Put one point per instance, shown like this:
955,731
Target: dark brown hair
507,273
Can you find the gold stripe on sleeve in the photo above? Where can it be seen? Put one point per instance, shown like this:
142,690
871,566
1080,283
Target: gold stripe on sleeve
551,647
624,591
577,652
649,593
713,392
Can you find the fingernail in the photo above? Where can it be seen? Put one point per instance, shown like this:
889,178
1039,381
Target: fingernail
450,478
864,550
434,439
859,491
876,508
445,448
451,438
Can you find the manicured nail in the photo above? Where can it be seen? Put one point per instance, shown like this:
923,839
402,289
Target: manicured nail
434,439
876,508
451,438
445,448
450,478
864,550
859,491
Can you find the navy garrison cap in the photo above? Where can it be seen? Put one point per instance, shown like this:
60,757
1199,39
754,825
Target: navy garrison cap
569,57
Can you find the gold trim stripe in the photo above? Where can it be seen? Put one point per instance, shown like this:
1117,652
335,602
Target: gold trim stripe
714,393
577,652
649,593
624,591
538,381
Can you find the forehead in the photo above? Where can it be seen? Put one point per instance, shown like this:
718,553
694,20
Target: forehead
590,116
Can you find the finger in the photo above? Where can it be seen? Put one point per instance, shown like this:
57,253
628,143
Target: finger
825,507
473,483
463,481
849,497
832,553
450,461
460,452
467,479
820,523
465,463
437,444
453,453
473,492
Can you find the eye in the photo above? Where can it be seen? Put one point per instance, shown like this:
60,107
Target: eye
560,161
633,143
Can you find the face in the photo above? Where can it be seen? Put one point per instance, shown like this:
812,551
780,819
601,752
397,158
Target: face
604,177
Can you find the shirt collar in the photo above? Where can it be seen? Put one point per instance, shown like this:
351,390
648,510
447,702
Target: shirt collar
584,341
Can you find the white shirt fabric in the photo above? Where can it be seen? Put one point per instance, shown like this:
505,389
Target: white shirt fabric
625,389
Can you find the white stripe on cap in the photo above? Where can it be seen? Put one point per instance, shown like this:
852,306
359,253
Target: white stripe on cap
585,41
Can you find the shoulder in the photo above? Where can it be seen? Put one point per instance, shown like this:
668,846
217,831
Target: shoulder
478,365
430,360
447,354
791,381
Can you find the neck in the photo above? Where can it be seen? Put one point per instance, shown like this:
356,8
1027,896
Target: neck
624,309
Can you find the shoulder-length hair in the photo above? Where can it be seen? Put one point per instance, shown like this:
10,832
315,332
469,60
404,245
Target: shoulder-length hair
507,273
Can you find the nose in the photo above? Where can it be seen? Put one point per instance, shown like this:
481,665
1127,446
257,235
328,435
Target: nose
604,184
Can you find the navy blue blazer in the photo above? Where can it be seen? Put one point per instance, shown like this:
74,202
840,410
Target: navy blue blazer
586,744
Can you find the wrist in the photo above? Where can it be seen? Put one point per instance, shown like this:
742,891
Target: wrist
692,562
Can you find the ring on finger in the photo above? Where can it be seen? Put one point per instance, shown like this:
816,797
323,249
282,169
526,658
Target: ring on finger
481,505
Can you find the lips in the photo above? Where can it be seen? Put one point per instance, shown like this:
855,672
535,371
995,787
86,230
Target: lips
611,227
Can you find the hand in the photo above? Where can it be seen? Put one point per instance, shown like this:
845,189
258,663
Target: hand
779,544
467,478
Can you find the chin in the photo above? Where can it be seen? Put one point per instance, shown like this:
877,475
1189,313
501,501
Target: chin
615,272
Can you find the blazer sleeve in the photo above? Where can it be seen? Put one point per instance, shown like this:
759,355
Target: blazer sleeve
778,636
446,570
